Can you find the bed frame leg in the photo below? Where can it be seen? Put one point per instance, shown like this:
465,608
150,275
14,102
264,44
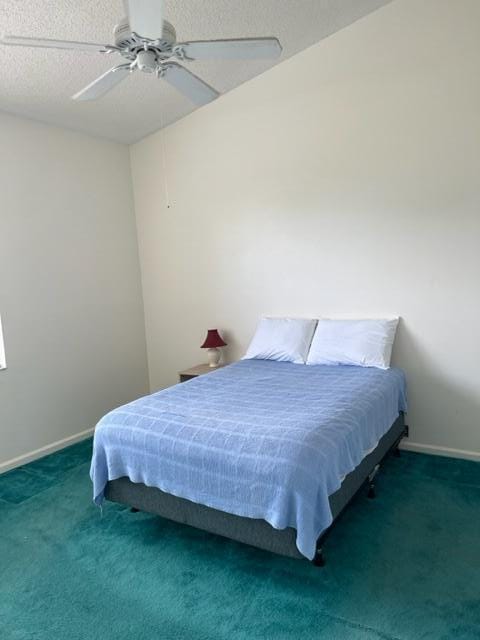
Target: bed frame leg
371,484
396,452
319,559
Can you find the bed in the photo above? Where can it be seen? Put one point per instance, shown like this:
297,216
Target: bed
266,453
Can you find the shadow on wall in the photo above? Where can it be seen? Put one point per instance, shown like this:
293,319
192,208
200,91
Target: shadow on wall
231,352
438,399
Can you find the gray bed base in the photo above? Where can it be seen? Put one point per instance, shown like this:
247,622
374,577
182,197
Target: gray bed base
257,533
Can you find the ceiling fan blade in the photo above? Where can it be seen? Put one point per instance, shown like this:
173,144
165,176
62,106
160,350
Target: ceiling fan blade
145,18
104,83
45,43
198,91
243,49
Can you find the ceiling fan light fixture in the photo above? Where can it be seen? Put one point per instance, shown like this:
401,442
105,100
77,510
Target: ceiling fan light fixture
147,61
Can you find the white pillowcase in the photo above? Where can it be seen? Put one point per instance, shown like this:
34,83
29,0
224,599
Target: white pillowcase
283,339
365,343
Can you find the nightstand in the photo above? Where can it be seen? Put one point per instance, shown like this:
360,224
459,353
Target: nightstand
199,370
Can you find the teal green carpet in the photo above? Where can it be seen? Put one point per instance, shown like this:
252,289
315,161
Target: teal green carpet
405,566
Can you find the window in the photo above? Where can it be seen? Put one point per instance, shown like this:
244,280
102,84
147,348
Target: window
3,362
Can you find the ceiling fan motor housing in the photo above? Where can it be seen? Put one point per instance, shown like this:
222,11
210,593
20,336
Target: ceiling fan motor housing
124,38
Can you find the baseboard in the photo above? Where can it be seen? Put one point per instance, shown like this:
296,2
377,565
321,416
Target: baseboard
43,451
440,451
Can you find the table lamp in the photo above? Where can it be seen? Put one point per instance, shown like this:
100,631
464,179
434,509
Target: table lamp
212,342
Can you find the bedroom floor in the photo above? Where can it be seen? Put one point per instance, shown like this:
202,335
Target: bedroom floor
405,566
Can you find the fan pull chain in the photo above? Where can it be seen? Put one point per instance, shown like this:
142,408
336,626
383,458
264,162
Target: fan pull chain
164,161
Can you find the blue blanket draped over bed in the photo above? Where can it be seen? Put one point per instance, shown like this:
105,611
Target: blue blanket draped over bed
258,438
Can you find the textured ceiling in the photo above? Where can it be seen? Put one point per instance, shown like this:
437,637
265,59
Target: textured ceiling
38,83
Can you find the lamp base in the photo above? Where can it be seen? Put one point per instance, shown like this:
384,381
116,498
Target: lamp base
213,356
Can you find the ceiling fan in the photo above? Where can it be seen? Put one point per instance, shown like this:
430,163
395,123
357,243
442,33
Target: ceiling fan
149,43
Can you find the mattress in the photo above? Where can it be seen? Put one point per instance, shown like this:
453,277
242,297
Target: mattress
259,439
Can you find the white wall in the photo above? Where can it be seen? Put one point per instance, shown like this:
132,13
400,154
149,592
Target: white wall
70,294
345,180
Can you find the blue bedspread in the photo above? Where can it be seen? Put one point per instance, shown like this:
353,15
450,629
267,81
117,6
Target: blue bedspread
258,438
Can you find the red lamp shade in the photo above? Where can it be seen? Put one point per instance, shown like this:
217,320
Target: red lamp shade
213,340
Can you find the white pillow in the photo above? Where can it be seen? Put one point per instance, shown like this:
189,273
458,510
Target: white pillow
284,339
365,343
